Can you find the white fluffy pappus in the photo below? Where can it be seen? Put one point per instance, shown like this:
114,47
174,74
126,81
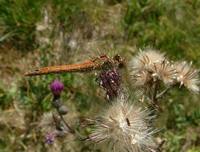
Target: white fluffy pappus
141,78
165,72
125,127
188,76
146,59
151,65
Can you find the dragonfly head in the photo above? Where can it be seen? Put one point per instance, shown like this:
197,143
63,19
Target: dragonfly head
119,61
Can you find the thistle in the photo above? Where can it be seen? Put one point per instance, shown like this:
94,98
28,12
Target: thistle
149,66
56,88
110,80
50,138
125,126
187,76
165,72
145,60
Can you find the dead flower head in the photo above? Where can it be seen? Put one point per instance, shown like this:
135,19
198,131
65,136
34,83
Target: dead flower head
125,127
149,66
141,78
165,72
146,59
187,76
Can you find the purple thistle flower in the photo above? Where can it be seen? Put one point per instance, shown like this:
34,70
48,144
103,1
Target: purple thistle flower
56,87
50,138
110,81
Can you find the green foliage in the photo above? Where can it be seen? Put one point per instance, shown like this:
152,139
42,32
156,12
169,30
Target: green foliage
18,18
165,25
6,96
173,141
180,115
35,92
68,12
197,149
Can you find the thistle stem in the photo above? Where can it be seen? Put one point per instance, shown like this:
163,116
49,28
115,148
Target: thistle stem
154,99
154,94
163,93
66,124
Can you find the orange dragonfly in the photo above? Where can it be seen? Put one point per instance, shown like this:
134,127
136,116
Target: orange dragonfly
100,62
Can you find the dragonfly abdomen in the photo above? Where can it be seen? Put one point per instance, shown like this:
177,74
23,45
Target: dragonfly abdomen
86,66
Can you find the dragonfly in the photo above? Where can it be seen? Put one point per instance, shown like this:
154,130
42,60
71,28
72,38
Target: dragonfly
101,62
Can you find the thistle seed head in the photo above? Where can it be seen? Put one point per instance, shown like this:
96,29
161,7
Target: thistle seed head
149,67
125,126
188,76
141,78
165,72
146,59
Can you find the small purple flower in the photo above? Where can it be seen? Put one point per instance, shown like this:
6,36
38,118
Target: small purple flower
50,138
110,81
56,87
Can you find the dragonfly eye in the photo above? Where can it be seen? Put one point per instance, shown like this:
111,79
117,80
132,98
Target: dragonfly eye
117,57
119,60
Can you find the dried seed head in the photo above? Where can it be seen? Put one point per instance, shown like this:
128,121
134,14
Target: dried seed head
165,72
141,78
187,76
110,80
146,59
125,126
149,66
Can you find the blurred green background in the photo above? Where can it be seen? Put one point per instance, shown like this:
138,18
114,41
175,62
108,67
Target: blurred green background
35,33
